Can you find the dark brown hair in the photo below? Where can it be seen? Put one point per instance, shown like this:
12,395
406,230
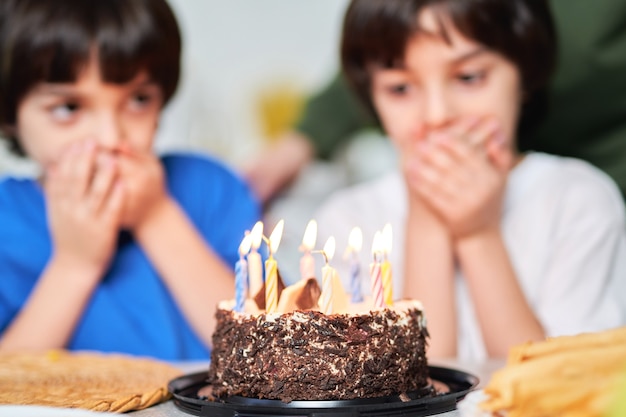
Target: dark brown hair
52,40
376,32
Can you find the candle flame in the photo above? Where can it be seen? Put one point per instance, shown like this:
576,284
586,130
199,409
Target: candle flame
329,248
246,242
276,236
387,239
257,235
377,243
355,240
310,235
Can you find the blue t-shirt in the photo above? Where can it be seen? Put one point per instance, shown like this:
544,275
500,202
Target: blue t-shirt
131,310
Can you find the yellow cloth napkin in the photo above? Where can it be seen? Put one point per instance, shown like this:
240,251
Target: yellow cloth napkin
570,375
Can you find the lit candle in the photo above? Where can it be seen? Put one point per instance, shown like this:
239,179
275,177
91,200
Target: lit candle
385,266
255,264
271,270
307,263
375,273
241,274
328,277
355,242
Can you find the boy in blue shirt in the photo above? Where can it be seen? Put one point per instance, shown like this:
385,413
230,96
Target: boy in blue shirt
112,248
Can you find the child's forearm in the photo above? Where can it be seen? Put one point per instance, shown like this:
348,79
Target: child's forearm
504,315
429,277
56,304
193,273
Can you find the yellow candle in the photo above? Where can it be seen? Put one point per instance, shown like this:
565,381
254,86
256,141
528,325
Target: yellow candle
255,264
328,277
385,266
271,285
271,270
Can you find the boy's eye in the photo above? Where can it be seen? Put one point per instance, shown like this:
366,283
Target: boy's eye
142,100
64,111
398,89
471,78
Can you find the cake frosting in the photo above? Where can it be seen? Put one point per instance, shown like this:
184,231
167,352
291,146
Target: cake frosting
304,354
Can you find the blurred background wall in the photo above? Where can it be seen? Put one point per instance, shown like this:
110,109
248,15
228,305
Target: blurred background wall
248,65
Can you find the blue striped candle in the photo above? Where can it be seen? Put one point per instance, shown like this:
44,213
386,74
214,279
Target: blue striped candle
241,283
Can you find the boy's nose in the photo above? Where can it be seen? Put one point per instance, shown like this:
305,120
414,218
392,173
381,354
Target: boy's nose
110,131
439,109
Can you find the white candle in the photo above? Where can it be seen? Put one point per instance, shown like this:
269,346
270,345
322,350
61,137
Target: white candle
355,242
328,277
255,264
307,263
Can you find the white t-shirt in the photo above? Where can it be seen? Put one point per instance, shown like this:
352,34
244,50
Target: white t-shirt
564,228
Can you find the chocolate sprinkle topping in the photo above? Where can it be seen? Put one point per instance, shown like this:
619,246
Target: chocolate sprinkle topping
306,355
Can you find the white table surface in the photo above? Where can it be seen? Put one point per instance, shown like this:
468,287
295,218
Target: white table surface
482,370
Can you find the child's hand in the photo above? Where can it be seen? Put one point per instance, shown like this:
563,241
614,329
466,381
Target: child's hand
143,177
461,172
84,205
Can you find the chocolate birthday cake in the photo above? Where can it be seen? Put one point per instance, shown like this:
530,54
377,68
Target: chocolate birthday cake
300,353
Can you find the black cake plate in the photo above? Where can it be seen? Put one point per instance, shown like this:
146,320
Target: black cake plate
185,388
